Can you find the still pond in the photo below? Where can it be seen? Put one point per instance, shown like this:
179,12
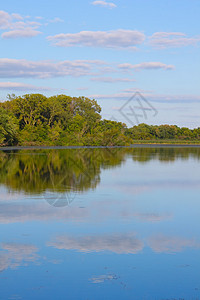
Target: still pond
98,224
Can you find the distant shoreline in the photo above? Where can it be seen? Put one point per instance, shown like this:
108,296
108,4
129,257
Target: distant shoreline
100,147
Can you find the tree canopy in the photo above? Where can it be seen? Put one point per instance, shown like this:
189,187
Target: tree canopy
34,119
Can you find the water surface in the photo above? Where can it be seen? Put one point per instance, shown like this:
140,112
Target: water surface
95,224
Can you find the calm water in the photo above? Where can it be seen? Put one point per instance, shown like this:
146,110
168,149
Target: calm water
95,224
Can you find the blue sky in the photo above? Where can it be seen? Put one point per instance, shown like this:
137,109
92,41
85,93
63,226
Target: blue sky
106,50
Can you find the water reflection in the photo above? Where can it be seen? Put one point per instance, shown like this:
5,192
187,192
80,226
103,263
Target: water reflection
120,244
73,170
103,278
13,255
51,170
95,211
171,244
165,154
152,217
123,244
133,227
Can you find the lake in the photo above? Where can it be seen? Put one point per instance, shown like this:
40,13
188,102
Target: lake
93,224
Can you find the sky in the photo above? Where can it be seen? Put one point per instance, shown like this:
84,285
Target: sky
138,58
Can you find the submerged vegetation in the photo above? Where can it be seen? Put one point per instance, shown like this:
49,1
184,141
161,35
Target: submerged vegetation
34,119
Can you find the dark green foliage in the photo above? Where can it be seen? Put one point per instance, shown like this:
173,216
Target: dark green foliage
34,119
162,132
8,128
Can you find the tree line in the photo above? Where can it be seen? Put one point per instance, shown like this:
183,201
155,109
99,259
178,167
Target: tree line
34,119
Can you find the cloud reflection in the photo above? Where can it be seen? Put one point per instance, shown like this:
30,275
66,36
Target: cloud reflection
152,217
13,255
122,243
95,211
39,212
118,243
103,278
168,244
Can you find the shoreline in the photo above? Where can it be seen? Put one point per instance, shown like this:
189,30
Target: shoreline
146,145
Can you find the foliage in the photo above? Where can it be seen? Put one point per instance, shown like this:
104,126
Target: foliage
162,132
8,128
34,119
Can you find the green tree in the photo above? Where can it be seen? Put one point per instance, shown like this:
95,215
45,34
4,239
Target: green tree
29,109
8,128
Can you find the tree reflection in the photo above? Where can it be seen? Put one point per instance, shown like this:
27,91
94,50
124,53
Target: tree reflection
67,170
55,170
165,154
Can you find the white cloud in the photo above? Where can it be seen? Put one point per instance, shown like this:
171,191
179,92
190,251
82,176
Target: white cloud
112,79
116,243
82,88
20,33
56,20
153,66
19,28
38,17
20,86
126,66
21,68
120,38
164,40
5,19
173,98
124,95
22,25
146,66
17,16
104,4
